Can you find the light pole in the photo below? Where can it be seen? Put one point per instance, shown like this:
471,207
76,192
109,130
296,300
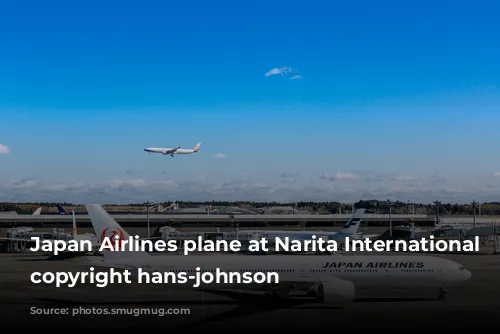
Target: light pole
147,212
474,204
390,217
149,206
438,203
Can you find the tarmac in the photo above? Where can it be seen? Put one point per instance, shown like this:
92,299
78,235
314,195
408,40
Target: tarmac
473,304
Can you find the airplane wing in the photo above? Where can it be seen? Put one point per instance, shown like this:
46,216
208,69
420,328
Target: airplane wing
16,239
365,236
173,150
104,265
370,235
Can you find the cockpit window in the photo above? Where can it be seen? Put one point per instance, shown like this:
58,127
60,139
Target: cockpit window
460,268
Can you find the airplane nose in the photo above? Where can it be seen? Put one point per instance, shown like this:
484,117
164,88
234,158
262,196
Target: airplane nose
467,275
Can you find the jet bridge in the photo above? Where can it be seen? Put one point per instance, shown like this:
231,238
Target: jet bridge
19,233
19,238
483,231
487,233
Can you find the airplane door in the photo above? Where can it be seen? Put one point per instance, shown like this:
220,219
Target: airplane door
392,275
388,274
304,271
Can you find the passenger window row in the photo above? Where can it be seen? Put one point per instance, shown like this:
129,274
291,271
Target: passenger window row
313,270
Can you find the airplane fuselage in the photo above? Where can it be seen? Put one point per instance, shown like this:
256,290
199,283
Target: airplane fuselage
348,230
167,151
332,279
303,272
296,234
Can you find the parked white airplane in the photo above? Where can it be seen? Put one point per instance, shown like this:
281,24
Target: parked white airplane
86,236
350,229
331,279
172,151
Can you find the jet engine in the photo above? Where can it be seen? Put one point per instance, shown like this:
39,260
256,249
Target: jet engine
335,292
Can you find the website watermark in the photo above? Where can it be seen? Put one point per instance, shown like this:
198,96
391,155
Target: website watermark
105,311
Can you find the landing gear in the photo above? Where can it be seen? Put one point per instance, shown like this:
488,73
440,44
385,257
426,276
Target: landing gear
323,253
172,155
320,294
442,294
272,294
279,294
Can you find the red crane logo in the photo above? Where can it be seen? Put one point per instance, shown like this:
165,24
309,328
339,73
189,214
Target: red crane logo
112,233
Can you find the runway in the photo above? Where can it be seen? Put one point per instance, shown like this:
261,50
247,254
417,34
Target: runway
474,304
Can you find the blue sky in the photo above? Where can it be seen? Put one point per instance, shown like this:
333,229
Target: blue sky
367,100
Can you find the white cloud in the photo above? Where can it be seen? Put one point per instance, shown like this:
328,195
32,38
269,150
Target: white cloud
340,176
295,77
496,174
219,156
282,188
24,183
4,149
288,177
406,178
281,70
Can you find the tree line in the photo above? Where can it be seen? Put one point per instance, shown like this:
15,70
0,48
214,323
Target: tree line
371,206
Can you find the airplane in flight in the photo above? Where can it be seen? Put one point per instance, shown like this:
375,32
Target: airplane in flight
172,151
331,280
